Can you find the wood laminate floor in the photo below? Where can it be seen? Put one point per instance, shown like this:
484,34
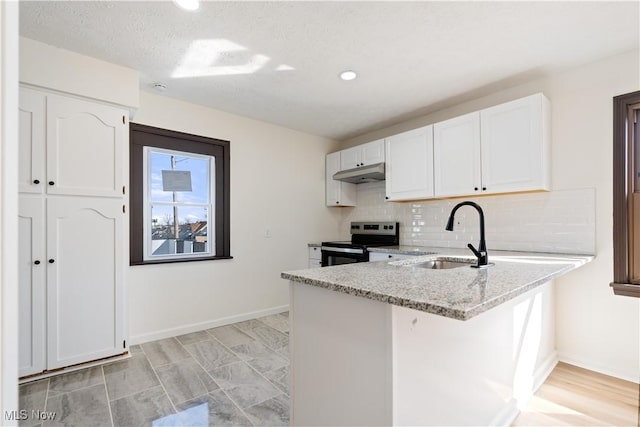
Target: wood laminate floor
573,396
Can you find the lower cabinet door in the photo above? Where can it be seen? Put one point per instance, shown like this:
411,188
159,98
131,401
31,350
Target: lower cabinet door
84,280
31,287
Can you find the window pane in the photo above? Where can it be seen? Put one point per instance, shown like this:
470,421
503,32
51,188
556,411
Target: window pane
190,236
188,174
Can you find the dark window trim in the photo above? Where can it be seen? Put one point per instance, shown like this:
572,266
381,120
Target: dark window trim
141,136
621,269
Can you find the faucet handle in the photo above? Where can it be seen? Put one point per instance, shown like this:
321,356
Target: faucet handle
474,250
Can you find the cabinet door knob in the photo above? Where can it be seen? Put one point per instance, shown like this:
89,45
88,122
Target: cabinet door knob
51,261
337,203
390,256
36,262
36,181
386,197
475,188
484,188
52,183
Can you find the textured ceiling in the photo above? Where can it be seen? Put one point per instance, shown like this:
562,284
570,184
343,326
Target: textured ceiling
279,61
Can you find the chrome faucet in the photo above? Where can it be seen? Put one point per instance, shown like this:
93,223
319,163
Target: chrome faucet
481,252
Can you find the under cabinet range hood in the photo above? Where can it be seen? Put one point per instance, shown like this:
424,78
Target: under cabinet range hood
369,173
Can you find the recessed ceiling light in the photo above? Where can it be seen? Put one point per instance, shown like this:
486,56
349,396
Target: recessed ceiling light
348,75
190,5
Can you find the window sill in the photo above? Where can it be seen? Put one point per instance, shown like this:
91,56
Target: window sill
626,289
173,261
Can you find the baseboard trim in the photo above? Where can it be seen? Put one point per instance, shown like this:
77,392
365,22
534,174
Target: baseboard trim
633,377
194,327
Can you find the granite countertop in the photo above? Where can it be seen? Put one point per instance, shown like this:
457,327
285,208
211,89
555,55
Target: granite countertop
458,293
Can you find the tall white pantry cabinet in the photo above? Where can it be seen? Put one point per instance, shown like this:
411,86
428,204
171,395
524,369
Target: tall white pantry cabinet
72,212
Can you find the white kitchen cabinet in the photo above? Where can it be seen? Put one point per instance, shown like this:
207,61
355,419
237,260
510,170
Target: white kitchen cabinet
409,165
84,280
31,147
85,144
515,145
315,256
72,231
363,155
456,148
32,267
338,193
501,149
70,146
385,256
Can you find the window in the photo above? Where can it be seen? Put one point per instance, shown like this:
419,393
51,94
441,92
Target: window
626,195
179,197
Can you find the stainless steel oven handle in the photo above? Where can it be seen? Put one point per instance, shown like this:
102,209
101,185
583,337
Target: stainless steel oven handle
342,250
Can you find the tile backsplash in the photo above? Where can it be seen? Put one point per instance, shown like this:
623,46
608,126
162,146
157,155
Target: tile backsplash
556,221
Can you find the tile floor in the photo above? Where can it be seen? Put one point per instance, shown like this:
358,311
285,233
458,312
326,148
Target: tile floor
231,375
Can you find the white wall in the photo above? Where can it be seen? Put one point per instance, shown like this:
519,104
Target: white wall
277,183
595,329
8,210
69,72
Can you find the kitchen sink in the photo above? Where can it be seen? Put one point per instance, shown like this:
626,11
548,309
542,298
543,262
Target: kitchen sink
441,264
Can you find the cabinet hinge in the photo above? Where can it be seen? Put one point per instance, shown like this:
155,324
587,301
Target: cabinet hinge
123,189
124,344
123,209
123,120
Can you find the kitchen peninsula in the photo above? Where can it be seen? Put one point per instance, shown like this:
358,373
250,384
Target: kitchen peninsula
401,343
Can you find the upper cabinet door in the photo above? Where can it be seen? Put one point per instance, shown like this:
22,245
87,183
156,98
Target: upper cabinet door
409,167
362,155
31,136
456,148
515,145
338,193
372,153
350,158
85,146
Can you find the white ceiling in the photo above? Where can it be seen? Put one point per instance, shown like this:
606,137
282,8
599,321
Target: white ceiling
279,61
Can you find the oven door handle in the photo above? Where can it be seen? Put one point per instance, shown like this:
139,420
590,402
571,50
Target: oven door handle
343,250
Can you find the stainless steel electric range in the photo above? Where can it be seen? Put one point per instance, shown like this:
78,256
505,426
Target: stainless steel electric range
363,235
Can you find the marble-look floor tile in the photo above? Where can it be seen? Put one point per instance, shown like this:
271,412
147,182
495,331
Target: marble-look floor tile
193,337
129,376
270,337
244,385
259,356
213,409
84,407
248,325
273,412
135,349
230,335
279,377
31,397
72,381
148,407
185,380
277,322
284,352
164,351
211,354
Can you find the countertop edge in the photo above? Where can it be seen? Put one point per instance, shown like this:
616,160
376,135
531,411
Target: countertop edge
432,307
